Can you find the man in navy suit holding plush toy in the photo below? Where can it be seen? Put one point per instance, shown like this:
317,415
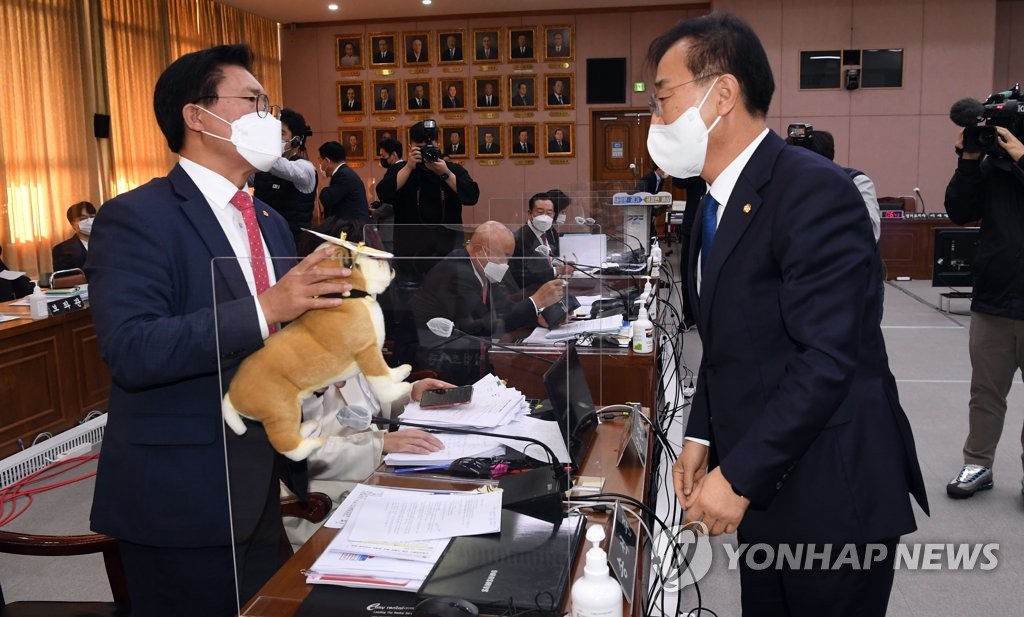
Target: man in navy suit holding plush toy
796,435
178,304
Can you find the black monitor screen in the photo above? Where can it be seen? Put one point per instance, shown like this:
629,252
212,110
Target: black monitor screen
954,256
570,397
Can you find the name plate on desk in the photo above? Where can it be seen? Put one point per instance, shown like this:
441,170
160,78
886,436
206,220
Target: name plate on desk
634,437
622,551
69,304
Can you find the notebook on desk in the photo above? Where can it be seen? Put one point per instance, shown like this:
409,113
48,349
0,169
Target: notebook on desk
528,565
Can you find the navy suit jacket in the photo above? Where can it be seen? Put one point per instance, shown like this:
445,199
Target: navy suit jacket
345,197
161,478
794,390
528,267
69,254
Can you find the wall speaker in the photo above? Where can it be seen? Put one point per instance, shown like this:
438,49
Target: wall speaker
101,126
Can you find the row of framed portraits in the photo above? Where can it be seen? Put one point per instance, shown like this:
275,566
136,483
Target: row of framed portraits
454,47
420,95
482,141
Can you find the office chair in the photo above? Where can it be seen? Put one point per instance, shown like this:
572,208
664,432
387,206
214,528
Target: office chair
314,508
63,279
60,546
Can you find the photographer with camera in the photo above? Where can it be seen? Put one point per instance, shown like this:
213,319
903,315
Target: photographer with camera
428,194
988,185
290,185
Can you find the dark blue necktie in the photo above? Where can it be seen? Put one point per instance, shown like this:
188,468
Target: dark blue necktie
710,224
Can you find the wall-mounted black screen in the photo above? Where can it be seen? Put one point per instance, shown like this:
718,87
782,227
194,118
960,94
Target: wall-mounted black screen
606,80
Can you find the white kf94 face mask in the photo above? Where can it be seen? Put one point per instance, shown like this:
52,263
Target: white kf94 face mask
257,140
681,147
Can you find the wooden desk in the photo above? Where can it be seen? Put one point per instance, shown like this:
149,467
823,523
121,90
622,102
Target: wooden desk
51,375
283,594
615,375
908,246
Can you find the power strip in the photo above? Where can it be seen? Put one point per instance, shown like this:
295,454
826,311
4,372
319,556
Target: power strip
79,450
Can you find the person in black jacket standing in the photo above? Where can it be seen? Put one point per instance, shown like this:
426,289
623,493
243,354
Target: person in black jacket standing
990,188
345,198
428,197
290,185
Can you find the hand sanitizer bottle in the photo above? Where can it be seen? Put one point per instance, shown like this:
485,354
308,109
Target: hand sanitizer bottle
37,304
643,333
596,593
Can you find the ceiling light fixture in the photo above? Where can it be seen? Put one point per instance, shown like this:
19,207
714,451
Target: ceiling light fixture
428,1
332,7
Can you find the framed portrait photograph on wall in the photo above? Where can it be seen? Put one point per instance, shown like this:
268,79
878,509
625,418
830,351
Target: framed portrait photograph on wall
522,140
453,142
488,94
380,133
418,96
522,92
450,47
559,91
349,51
486,45
559,43
382,49
385,97
417,49
354,142
522,44
488,140
560,139
350,98
452,93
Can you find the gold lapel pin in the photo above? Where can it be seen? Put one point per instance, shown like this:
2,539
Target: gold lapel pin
267,214
746,208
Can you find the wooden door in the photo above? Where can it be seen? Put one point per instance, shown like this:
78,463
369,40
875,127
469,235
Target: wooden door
618,140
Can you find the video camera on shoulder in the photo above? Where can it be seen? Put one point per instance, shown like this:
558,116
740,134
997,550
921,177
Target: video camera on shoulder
1005,109
431,153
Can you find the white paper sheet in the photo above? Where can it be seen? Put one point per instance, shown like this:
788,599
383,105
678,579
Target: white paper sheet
545,431
10,275
456,446
430,517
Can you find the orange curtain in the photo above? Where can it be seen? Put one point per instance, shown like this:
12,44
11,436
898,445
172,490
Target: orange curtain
223,24
45,128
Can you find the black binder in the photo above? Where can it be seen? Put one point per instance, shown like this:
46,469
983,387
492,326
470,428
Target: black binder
526,566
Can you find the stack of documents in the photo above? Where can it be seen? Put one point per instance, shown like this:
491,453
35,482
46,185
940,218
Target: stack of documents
493,405
455,446
391,538
543,336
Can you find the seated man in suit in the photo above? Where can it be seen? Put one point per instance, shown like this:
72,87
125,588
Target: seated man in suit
531,267
345,197
472,287
71,253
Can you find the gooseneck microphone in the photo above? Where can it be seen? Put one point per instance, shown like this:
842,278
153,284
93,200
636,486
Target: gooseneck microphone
444,328
920,198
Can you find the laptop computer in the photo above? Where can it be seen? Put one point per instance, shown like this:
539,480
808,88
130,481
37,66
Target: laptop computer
571,402
526,566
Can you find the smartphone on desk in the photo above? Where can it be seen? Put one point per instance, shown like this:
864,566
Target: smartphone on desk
446,397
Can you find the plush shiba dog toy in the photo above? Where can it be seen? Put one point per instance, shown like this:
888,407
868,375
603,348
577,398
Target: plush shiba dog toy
321,347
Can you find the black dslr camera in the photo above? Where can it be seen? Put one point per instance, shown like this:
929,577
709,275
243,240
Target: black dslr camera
1005,109
431,153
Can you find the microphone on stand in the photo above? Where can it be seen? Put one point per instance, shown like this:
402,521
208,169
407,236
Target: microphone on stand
537,492
920,199
444,328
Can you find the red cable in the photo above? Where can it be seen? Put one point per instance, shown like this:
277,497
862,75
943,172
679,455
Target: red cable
20,490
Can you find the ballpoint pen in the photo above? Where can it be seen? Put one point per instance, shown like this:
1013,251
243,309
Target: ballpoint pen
428,468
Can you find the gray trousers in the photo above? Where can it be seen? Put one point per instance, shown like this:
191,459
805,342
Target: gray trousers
997,351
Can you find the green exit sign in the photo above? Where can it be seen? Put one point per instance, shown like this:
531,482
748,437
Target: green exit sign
639,87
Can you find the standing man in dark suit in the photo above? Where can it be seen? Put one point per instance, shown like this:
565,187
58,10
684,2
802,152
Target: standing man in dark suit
345,196
164,476
71,253
796,435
